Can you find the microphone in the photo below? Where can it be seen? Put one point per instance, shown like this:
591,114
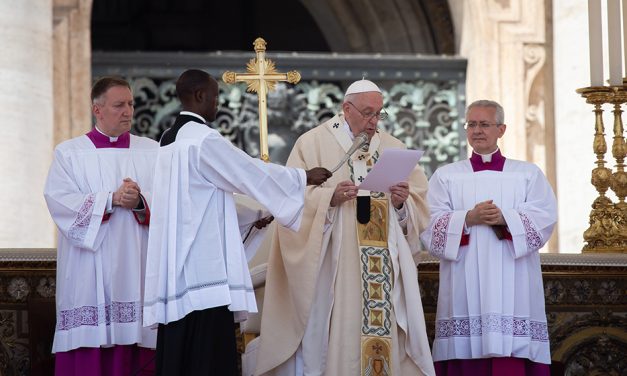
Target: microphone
360,141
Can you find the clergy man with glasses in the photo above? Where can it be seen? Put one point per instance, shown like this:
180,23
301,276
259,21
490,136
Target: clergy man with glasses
489,217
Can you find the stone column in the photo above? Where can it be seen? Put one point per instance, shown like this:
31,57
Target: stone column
72,68
26,105
510,61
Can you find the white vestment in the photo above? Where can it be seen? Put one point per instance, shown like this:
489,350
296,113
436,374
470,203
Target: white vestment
491,299
100,265
312,318
196,258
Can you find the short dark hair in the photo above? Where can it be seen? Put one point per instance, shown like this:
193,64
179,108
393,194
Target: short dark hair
105,83
191,81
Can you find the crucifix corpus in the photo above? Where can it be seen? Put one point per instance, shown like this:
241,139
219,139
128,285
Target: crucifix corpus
261,77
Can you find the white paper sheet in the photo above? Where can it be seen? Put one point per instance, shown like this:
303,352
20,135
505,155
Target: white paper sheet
393,167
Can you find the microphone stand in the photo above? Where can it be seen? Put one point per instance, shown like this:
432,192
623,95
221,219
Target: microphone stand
353,149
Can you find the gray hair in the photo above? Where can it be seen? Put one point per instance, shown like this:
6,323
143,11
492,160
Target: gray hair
500,114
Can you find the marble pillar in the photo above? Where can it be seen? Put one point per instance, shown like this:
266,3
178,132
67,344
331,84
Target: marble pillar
45,77
72,68
26,105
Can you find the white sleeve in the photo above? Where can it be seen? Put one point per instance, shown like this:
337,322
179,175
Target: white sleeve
444,234
78,215
280,189
531,223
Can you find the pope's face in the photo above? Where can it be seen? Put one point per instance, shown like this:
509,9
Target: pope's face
362,112
114,111
483,139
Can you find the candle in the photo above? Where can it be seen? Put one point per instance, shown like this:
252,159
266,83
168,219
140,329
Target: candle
596,42
615,47
625,33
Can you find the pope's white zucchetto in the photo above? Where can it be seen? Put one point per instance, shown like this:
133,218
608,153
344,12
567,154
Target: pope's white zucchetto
362,86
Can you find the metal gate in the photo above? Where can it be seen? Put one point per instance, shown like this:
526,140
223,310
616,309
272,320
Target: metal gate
424,97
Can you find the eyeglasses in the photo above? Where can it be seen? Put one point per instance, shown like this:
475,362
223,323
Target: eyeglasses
481,124
381,115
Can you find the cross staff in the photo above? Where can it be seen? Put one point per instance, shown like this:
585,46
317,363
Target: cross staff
261,78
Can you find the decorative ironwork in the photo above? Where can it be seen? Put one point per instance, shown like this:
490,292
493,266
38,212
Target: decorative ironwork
423,96
423,115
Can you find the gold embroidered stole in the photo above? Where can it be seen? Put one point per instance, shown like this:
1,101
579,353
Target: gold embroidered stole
375,262
376,289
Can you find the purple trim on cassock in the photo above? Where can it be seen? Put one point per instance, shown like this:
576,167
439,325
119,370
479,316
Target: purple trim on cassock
491,367
119,360
101,141
496,164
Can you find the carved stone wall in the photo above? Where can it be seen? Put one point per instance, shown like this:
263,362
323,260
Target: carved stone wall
27,311
586,309
585,302
508,45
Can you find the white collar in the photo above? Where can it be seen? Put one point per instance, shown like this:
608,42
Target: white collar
348,130
193,114
487,158
111,139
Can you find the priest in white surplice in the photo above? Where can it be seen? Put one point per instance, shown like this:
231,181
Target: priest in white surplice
197,278
341,295
489,217
98,193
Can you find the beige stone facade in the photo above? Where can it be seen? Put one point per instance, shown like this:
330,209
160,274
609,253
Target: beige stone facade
509,44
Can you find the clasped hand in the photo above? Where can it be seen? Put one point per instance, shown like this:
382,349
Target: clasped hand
485,213
127,196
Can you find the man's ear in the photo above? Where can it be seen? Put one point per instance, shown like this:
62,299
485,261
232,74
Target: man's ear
95,109
345,107
502,128
199,96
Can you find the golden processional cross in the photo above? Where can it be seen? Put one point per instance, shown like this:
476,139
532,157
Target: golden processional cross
261,78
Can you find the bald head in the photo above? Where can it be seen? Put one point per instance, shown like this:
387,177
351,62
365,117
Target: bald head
198,92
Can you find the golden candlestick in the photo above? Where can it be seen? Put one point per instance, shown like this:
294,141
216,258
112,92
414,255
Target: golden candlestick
608,225
619,178
261,78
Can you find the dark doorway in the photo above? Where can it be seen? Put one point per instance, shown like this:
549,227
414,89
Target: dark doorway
203,26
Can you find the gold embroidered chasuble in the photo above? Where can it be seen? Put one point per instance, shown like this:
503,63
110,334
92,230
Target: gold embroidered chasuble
374,302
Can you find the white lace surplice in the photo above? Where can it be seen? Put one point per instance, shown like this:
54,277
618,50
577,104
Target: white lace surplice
99,264
491,299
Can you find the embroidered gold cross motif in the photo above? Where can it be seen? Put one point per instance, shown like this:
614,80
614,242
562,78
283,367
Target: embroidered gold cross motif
377,348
